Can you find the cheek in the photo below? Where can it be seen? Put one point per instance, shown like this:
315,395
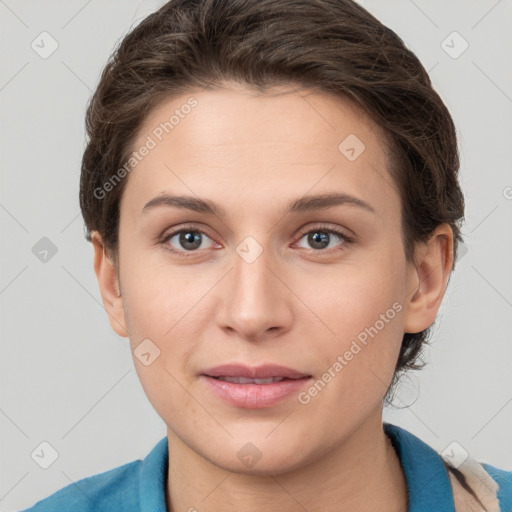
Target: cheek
363,309
351,299
160,298
163,305
357,365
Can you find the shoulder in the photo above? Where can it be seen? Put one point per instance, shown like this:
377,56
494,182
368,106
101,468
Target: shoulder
117,486
477,485
503,479
452,478
137,485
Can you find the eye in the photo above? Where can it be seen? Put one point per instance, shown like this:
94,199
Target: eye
322,238
188,239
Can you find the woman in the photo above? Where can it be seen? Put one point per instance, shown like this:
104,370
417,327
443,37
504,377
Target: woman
271,190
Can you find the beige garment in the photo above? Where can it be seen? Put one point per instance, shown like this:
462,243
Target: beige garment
474,490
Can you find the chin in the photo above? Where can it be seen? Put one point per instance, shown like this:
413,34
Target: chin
260,456
266,466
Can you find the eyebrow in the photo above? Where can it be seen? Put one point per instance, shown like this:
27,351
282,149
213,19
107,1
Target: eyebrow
304,204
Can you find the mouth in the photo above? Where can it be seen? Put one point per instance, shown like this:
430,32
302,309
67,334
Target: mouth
261,372
246,380
254,387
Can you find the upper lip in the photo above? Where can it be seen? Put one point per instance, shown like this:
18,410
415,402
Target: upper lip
254,372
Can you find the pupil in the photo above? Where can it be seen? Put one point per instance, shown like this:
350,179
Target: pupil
318,238
190,237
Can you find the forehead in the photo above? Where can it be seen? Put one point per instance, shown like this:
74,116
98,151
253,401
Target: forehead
241,143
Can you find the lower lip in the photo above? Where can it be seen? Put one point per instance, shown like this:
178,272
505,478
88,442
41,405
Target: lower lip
255,396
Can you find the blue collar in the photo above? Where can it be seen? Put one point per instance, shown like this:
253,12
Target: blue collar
428,483
153,479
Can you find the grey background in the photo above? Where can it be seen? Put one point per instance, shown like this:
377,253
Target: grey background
67,379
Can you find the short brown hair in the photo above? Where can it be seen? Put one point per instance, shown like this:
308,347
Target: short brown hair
334,46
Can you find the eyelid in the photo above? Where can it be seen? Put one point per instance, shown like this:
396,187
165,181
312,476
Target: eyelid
187,227
342,233
338,230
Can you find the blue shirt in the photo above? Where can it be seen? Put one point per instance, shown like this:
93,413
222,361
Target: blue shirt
139,486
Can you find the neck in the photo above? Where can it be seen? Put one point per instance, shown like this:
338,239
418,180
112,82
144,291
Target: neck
363,473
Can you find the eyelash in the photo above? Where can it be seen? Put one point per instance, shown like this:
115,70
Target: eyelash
346,239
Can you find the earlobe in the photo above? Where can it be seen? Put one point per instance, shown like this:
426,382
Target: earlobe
106,273
427,280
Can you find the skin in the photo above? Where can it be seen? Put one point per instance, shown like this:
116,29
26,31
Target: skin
295,305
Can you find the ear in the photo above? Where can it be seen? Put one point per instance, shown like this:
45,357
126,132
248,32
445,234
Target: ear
106,273
427,279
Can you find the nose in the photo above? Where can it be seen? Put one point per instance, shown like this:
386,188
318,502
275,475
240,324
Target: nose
256,304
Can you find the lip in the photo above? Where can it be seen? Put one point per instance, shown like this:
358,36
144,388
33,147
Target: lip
263,371
252,395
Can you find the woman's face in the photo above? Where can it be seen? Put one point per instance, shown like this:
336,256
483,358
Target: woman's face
274,278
